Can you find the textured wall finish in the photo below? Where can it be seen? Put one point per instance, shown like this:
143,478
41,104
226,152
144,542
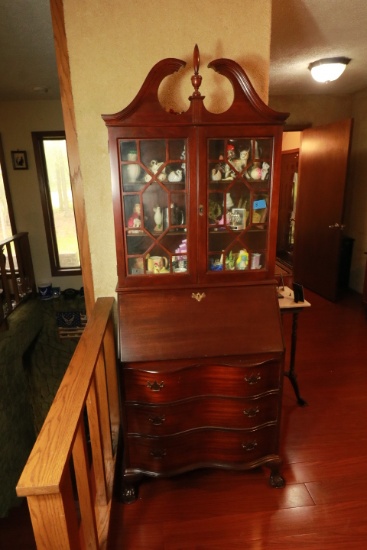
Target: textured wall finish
113,44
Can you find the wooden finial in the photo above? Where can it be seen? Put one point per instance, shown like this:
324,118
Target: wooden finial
196,78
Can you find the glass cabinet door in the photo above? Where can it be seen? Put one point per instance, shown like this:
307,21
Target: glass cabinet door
154,182
239,183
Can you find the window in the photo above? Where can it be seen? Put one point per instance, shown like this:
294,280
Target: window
7,224
57,202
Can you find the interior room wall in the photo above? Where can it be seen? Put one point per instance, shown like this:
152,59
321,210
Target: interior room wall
17,120
109,60
291,141
323,109
313,109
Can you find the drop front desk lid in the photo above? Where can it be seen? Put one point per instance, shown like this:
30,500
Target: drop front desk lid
210,322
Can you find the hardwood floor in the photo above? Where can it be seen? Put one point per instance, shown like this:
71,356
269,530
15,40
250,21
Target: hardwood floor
324,446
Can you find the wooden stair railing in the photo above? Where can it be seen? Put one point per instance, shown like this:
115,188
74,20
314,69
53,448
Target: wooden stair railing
16,273
68,478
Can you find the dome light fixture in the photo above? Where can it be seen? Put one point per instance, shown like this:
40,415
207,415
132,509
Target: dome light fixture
326,70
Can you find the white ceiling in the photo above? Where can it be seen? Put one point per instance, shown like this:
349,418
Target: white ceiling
27,52
307,30
302,31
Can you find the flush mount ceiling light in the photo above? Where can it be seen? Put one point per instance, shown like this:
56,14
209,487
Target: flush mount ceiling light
326,70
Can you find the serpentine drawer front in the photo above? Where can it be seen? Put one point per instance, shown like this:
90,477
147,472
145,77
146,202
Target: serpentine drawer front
196,380
202,447
187,414
196,412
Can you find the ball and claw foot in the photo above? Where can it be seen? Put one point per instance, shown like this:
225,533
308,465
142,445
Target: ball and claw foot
277,481
129,495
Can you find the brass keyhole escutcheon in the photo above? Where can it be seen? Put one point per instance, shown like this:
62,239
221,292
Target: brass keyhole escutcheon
198,296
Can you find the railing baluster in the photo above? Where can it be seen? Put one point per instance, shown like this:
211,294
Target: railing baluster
103,404
97,445
89,384
54,520
81,467
111,372
16,269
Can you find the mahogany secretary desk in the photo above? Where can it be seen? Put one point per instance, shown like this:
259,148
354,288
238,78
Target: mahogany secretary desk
195,208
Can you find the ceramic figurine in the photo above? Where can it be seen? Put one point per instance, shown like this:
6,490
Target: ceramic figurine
183,158
134,220
216,174
175,176
242,259
230,261
154,167
229,201
244,155
241,163
255,173
132,155
228,172
133,171
158,218
230,152
264,170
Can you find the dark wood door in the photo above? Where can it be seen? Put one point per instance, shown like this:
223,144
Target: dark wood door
364,294
323,164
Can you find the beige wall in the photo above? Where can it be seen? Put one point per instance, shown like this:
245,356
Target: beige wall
291,140
113,44
17,120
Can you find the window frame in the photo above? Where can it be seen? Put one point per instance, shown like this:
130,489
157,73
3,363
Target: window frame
7,189
48,216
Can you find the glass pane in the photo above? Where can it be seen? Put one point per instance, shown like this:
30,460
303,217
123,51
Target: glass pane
154,189
239,175
62,202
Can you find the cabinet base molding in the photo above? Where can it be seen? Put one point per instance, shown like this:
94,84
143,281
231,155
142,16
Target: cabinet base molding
128,492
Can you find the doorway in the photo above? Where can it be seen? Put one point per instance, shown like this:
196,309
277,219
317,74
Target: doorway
287,207
311,234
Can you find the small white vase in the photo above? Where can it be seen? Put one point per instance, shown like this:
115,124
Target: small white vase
133,171
158,219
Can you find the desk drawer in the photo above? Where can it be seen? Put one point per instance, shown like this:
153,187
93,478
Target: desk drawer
201,448
145,386
210,411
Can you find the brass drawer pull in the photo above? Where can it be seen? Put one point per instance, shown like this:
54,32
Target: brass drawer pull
158,453
251,412
155,386
250,446
157,420
253,379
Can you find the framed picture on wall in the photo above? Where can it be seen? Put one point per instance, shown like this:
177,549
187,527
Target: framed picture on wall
20,161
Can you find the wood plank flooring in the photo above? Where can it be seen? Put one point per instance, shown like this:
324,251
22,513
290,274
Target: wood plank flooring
324,446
